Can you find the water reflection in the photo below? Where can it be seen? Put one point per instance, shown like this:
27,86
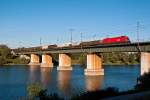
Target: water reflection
45,76
16,79
64,78
34,74
93,83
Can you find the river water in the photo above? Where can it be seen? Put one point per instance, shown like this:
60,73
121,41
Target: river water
15,79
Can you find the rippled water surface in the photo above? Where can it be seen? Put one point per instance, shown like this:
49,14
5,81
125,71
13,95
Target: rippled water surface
15,79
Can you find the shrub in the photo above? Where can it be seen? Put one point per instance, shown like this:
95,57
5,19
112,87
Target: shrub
34,90
143,82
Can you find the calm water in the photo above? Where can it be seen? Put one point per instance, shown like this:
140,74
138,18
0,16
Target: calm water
14,80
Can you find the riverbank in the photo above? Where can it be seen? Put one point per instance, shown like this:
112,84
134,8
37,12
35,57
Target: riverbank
110,93
115,64
119,64
144,95
14,64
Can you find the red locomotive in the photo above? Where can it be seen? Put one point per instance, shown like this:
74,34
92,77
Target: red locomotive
105,41
120,39
113,40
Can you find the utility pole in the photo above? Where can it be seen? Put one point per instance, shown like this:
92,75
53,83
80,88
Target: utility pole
81,35
138,39
57,40
138,26
81,40
94,36
40,41
19,44
71,30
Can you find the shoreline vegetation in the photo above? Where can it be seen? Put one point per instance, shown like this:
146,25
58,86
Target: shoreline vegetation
14,64
36,91
113,58
7,57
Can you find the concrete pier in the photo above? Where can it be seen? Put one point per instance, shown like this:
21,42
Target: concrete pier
94,65
145,62
64,62
46,61
34,60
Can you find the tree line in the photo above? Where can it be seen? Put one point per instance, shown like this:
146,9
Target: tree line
7,57
109,58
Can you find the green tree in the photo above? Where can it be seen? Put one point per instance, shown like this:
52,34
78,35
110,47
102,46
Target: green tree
2,60
4,51
143,82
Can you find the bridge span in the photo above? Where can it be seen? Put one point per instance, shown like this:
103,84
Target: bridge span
94,59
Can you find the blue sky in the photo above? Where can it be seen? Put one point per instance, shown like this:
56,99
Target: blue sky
23,22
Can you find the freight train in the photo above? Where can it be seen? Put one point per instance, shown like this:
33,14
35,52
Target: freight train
105,41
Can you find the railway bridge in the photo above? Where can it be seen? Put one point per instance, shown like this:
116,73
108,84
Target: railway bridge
94,59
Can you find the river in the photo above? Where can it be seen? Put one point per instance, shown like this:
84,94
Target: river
14,80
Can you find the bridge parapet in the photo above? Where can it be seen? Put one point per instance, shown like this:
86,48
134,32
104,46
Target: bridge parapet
144,47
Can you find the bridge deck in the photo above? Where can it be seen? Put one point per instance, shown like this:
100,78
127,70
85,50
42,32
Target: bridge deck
126,47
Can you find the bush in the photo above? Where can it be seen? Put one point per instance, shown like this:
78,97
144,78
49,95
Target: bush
34,90
97,95
143,82
21,61
44,96
2,60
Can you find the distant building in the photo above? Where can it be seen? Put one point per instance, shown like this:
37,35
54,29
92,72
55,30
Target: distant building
24,56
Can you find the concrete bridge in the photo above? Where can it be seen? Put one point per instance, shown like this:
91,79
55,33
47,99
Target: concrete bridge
94,60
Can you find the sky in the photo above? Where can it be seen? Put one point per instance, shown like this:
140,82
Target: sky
24,22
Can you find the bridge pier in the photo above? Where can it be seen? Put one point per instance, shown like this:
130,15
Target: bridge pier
34,60
64,62
94,65
46,61
145,62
